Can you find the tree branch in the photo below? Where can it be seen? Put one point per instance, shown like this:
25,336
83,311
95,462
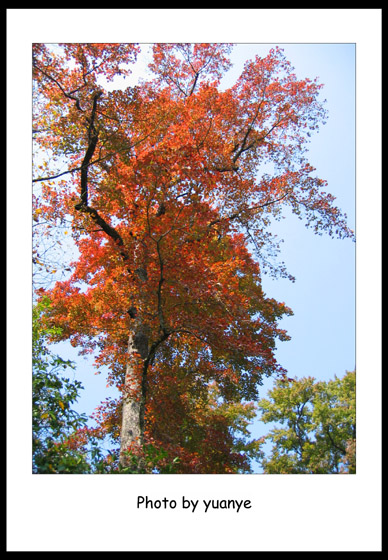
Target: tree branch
252,209
83,205
93,139
327,431
69,95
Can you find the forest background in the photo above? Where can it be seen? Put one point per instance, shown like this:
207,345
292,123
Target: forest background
281,491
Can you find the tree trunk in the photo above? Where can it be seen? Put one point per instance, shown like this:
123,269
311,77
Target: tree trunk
132,427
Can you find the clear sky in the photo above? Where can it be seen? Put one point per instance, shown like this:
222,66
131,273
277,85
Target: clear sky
289,513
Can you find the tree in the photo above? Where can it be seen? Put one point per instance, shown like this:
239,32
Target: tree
170,213
319,433
60,436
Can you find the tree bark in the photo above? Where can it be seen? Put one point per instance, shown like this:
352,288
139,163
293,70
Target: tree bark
133,408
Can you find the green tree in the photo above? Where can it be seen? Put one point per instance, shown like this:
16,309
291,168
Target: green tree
318,433
60,436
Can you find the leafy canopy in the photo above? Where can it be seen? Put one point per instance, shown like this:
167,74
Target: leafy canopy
318,419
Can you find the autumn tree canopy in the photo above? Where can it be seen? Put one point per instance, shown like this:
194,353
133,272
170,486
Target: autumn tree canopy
168,189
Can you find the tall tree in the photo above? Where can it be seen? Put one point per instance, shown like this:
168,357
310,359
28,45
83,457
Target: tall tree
165,193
